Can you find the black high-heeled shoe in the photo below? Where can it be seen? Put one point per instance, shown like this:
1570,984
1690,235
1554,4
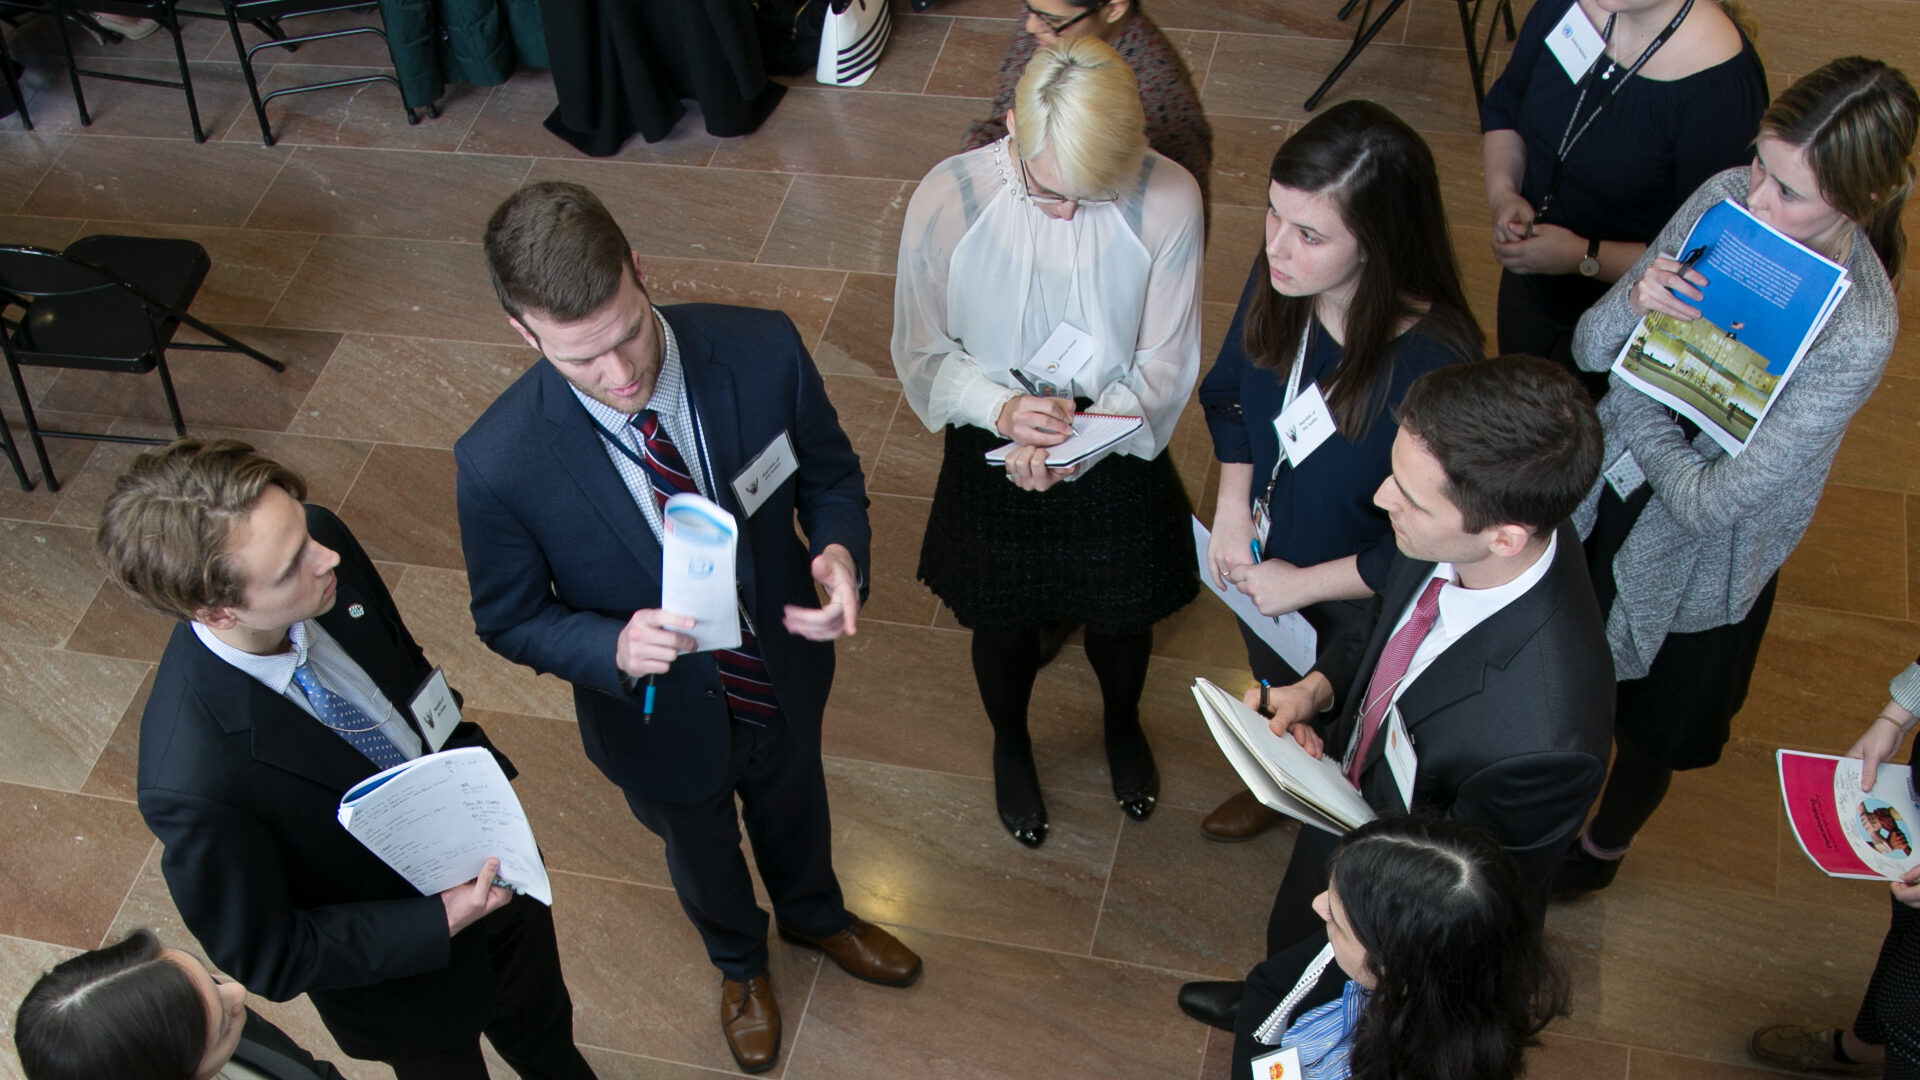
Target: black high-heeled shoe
1016,795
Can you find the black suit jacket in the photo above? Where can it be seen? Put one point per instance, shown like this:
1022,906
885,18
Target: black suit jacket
270,1052
1511,725
241,785
559,556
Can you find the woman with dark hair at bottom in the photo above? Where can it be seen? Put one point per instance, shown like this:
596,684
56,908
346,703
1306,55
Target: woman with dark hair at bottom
137,1010
1431,968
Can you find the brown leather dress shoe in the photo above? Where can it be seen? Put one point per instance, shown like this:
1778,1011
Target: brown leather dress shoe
751,1021
864,951
1241,817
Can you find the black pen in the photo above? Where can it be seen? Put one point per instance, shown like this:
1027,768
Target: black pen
1692,257
1035,391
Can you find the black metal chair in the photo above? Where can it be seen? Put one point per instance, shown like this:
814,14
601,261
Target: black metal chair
267,14
15,96
1367,26
107,303
163,12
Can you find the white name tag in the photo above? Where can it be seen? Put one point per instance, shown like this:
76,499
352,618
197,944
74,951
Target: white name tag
1060,358
1575,43
1279,1065
435,711
1303,425
1624,476
765,473
1400,756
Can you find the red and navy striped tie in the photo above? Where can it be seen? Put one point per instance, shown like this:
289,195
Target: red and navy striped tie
742,673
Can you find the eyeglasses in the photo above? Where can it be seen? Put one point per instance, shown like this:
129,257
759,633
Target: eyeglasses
1040,196
1058,25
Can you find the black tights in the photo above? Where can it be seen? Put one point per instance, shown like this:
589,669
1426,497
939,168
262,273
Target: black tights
1005,663
1634,789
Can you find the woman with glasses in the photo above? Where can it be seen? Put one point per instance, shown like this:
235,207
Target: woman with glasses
1069,230
1176,126
1354,296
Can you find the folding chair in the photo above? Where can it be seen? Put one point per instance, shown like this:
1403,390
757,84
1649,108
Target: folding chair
163,12
1368,26
107,303
267,14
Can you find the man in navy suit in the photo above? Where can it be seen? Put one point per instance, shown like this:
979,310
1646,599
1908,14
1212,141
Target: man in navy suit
291,678
562,488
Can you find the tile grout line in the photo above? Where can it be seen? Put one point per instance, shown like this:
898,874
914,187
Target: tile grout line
813,984
1106,887
774,222
277,174
288,284
653,1057
152,847
937,54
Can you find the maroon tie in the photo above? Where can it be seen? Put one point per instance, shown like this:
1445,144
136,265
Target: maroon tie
1392,667
742,672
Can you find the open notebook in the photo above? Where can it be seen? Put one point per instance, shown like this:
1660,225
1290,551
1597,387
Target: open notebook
1092,433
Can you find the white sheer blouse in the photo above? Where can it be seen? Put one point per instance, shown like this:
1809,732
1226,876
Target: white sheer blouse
985,277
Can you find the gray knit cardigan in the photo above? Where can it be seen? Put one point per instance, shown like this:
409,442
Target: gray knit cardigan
1718,527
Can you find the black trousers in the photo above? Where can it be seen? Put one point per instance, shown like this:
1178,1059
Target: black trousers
783,801
1890,1014
532,1020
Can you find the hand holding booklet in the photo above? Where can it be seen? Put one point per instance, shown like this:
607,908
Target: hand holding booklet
438,818
1848,832
1278,770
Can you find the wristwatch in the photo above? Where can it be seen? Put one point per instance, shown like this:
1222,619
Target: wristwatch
1590,266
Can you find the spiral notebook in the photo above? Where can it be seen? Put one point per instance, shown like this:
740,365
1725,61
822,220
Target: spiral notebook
1092,433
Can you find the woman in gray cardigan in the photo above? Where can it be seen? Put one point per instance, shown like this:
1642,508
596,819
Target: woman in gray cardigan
1684,559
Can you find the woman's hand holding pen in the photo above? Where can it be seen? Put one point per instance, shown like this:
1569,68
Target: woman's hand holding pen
650,642
1275,586
1656,289
1541,249
1027,468
1036,421
1512,218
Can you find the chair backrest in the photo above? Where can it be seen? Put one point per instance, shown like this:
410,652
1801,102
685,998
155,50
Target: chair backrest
76,313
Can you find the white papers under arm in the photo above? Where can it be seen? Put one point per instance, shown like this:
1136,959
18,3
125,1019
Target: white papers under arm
697,570
1290,635
1332,802
438,818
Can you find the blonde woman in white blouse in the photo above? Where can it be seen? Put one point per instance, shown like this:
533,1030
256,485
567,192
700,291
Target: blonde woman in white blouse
1069,221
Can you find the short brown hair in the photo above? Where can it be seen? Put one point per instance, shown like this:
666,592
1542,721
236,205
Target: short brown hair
163,531
1517,436
553,249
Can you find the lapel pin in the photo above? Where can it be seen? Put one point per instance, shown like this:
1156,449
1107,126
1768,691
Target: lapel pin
355,610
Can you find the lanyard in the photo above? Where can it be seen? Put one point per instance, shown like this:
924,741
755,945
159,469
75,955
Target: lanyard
1569,136
1293,391
620,444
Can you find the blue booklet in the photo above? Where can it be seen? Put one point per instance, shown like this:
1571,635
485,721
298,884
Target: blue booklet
1766,298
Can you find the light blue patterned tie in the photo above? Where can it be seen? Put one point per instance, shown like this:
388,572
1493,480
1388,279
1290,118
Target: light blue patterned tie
361,731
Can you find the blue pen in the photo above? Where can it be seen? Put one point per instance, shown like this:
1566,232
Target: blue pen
1265,688
1255,545
647,705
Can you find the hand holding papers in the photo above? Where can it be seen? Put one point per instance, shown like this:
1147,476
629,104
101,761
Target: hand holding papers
696,570
1092,433
1276,769
1290,635
1848,832
436,820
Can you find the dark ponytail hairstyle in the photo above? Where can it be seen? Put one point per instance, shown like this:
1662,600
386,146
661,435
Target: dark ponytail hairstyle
124,1011
1464,982
1856,120
1381,176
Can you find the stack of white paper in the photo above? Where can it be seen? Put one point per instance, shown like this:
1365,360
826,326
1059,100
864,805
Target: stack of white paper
438,818
1092,433
1289,635
1279,772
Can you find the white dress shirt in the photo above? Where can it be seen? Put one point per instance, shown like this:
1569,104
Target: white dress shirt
331,665
1462,609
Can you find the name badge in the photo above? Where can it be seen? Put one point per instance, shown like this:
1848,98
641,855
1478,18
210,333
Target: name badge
765,473
1303,425
1262,522
1575,43
1060,358
1283,1064
1624,476
1400,757
435,711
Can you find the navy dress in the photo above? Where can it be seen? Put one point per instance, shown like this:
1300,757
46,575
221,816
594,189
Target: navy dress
1653,145
1324,510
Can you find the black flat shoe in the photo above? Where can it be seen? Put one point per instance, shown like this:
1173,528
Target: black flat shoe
1138,803
1016,795
1030,830
1579,873
1136,779
1215,1004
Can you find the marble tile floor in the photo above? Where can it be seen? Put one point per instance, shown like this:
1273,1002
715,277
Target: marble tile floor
350,250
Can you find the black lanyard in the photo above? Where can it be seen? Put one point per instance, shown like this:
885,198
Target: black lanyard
693,419
1570,136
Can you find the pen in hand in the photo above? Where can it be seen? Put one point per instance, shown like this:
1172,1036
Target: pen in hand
1691,257
646,705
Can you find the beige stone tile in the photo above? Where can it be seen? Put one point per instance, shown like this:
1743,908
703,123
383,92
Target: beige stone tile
969,64
806,296
418,391
974,1014
156,180
251,268
61,708
580,818
132,109
1669,850
1479,277
510,123
1264,17
865,407
370,114
927,850
840,224
680,212
896,594
613,1065
434,604
1217,1061
817,130
910,461
1176,900
1877,451
1821,676
1646,1064
29,155
1196,51
116,624
69,456
858,338
114,774
1255,75
640,979
84,853
402,507
1204,631
1238,232
1463,189
227,389
40,232
1243,149
37,44
55,577
400,194
1913,553
913,46
1563,1057
1795,38
1853,556
413,288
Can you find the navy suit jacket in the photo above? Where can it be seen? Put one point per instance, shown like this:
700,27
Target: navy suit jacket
242,785
559,556
1511,725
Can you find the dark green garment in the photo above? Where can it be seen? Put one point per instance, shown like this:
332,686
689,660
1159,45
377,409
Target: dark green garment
435,42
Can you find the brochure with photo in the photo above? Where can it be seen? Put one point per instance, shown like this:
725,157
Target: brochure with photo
1765,300
1848,832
